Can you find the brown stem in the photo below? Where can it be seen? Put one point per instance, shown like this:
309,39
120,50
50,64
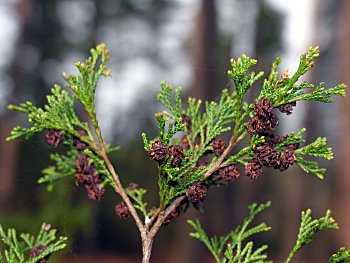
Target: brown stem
147,243
163,215
219,161
154,216
121,192
119,188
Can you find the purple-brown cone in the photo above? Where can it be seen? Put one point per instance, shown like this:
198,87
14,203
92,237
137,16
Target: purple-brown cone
287,158
287,108
253,169
266,155
218,146
121,210
177,153
196,193
78,143
54,138
229,173
158,151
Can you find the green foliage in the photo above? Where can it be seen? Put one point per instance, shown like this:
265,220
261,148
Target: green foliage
237,250
136,196
19,250
174,105
243,81
59,114
308,228
85,85
286,90
204,128
342,256
317,148
212,119
64,166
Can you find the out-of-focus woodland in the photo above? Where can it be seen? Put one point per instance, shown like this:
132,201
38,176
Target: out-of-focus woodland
186,43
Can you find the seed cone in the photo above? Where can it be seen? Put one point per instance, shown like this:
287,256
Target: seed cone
218,146
177,153
263,108
264,120
266,155
229,173
78,143
86,175
158,151
54,138
287,158
121,210
196,193
253,169
287,108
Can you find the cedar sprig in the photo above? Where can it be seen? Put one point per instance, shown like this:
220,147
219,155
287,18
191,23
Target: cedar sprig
243,81
342,256
308,228
213,118
64,167
57,114
85,85
137,195
286,90
19,250
231,248
237,249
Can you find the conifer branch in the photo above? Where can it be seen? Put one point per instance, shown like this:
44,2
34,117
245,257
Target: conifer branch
187,167
308,228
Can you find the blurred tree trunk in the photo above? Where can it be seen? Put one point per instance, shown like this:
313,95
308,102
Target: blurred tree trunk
343,175
9,150
204,86
203,47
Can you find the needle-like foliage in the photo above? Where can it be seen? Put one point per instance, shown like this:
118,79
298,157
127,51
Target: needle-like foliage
200,144
233,248
29,248
342,256
308,228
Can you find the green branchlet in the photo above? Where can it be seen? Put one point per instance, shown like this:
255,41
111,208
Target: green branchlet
243,81
308,228
237,249
59,114
342,256
18,250
286,89
64,167
137,195
85,85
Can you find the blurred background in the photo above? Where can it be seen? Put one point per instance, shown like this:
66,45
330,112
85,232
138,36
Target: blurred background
188,43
